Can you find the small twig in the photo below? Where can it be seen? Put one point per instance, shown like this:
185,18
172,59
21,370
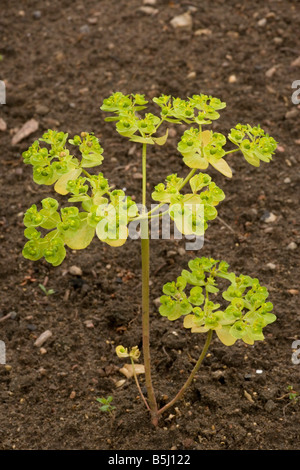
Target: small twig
138,385
164,350
6,317
226,225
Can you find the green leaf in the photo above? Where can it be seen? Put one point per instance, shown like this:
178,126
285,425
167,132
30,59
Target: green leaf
142,140
44,175
196,297
174,309
80,237
33,250
225,337
222,166
161,140
50,220
199,181
61,184
54,251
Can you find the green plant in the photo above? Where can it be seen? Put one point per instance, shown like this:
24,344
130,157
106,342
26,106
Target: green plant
106,404
108,213
46,291
293,395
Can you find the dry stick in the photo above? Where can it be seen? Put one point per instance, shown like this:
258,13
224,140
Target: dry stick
192,375
226,225
138,385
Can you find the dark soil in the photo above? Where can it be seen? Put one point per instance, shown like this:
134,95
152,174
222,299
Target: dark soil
60,60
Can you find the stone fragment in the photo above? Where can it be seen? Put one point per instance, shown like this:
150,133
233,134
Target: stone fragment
75,271
182,22
292,246
43,338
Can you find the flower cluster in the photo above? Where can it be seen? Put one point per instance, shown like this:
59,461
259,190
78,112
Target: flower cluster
247,313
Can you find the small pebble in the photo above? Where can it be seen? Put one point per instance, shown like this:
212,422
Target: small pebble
270,72
203,32
182,22
37,14
261,23
157,302
149,2
181,251
292,246
232,79
268,217
293,291
31,327
89,324
93,20
287,180
171,253
75,271
43,338
191,75
271,266
84,29
148,10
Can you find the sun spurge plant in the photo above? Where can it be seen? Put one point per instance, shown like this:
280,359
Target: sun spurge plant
207,295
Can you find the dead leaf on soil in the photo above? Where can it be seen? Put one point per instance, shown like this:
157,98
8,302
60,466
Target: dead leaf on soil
28,128
3,125
127,370
248,396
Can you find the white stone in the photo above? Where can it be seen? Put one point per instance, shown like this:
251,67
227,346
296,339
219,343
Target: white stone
148,10
43,338
261,23
75,271
182,22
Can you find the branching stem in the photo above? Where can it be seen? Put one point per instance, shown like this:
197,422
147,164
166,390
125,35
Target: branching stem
192,374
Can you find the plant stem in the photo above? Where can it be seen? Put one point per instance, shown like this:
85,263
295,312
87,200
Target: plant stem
192,375
144,171
145,249
138,385
231,151
85,173
191,173
149,214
